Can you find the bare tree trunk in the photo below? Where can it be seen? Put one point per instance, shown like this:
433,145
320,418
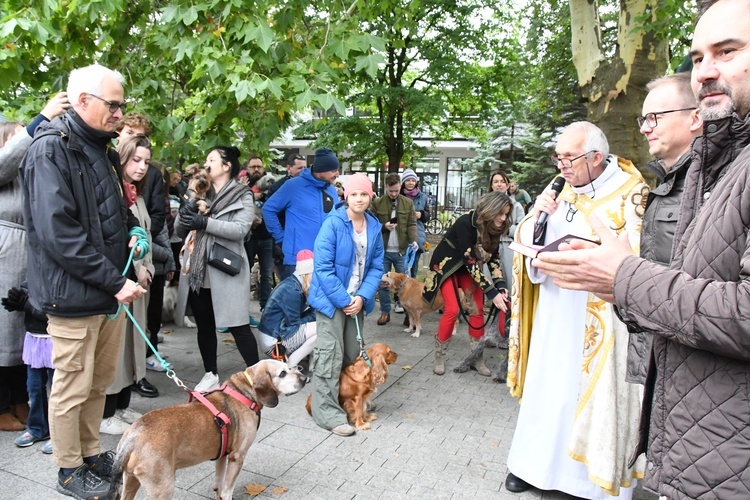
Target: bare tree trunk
615,88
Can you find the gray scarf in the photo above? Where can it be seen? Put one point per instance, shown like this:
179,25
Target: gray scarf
230,193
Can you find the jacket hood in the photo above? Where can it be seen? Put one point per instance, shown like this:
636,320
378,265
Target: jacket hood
310,179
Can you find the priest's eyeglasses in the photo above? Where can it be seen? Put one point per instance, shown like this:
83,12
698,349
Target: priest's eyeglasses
650,118
567,162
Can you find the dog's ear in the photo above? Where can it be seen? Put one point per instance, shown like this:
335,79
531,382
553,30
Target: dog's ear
391,357
265,391
379,369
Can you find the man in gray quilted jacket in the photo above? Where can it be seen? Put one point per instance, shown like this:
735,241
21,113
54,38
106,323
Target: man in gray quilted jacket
669,123
696,411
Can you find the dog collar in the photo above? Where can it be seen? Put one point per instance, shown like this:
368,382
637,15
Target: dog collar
401,287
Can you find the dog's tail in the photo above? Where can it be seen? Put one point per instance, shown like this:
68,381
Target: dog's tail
124,449
308,405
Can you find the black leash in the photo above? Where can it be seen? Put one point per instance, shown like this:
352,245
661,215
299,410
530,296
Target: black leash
490,317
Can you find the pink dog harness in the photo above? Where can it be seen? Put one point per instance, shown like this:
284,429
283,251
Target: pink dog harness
221,419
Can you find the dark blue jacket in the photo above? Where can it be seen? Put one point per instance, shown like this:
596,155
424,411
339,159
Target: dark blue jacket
334,261
302,200
286,309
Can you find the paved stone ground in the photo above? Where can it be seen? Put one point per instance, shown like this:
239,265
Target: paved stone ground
436,437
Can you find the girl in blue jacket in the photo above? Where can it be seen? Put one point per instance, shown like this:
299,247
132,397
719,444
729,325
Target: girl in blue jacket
348,267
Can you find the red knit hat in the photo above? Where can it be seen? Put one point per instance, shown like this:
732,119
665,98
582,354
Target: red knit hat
358,182
304,262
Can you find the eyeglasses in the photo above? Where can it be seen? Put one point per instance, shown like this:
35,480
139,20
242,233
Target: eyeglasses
113,106
650,118
567,162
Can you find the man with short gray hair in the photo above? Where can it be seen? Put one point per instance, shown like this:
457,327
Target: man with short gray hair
77,224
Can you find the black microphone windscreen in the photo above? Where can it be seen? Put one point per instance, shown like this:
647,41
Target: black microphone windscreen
558,184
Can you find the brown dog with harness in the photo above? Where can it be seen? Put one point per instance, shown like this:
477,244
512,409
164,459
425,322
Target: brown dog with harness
221,425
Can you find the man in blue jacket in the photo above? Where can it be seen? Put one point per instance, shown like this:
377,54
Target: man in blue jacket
306,200
77,225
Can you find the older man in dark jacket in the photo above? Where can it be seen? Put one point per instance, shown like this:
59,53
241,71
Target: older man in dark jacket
75,216
698,386
670,123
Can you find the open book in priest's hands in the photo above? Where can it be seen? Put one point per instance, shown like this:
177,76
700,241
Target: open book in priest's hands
533,251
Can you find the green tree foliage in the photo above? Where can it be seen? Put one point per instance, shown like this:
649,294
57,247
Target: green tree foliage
206,72
521,134
446,66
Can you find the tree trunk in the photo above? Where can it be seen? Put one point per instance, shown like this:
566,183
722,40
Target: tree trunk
615,89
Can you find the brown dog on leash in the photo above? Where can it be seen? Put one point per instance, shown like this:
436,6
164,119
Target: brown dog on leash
409,292
172,438
358,383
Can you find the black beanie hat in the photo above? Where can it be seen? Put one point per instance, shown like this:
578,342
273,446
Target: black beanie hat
325,160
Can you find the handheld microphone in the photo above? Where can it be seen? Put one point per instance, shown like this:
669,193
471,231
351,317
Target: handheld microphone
540,228
557,187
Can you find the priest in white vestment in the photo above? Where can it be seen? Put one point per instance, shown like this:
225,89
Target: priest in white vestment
578,422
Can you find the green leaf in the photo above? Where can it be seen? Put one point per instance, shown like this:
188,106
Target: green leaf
190,16
274,86
179,131
303,100
265,36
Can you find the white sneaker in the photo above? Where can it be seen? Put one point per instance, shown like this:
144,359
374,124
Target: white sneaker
127,415
154,365
344,430
113,425
398,308
209,381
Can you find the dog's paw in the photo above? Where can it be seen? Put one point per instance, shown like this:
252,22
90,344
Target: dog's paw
415,335
407,330
364,426
189,324
371,417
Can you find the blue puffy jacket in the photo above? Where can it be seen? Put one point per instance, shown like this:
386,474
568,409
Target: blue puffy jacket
301,200
334,259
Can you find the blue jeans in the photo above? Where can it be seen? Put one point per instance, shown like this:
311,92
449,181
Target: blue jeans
264,250
37,381
286,270
397,260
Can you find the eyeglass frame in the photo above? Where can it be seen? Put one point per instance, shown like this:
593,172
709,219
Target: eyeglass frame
645,118
121,106
556,160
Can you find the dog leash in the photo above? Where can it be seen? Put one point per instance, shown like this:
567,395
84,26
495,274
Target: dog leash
490,317
144,246
409,257
362,351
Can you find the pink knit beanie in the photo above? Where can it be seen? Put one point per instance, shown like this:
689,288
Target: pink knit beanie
304,262
358,182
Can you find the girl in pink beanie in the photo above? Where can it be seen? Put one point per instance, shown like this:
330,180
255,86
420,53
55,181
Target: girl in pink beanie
346,276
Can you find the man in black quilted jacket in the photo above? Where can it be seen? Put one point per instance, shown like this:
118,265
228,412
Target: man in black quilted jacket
696,411
77,225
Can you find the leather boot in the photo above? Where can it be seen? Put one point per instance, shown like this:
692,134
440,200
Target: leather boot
9,422
440,348
21,411
479,365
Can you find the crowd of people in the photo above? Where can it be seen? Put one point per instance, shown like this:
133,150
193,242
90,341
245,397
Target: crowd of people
628,344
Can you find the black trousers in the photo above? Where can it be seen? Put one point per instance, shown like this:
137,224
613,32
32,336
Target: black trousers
12,387
203,311
153,313
119,401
